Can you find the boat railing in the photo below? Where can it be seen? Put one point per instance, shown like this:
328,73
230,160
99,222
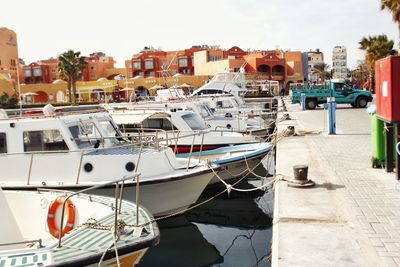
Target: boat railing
118,200
39,241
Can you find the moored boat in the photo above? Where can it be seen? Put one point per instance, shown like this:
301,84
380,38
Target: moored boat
30,234
73,152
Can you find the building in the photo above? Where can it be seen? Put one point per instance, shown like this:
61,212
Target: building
314,58
284,67
96,65
294,67
8,53
208,62
339,62
151,62
45,71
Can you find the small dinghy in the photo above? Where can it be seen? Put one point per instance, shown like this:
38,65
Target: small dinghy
30,232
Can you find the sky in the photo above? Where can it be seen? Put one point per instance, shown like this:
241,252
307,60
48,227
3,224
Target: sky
121,28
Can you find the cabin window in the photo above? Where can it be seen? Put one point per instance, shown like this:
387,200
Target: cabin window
194,121
85,134
47,140
3,143
158,123
204,111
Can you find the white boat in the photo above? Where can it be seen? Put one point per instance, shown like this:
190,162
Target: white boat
30,234
189,136
237,161
181,130
241,124
233,83
82,150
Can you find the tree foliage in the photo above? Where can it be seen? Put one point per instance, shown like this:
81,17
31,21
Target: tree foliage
376,47
70,66
7,101
322,70
393,6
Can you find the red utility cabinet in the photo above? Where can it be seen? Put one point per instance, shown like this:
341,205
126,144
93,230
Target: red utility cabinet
387,87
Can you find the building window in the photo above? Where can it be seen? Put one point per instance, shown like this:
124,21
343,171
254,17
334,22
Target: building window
148,64
3,143
37,72
151,73
185,71
214,58
92,76
47,140
27,73
183,62
93,67
53,70
137,65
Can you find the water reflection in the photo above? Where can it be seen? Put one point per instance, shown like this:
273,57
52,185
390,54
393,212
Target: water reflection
227,231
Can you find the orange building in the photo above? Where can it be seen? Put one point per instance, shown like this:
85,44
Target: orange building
294,67
97,64
45,71
274,65
152,63
8,53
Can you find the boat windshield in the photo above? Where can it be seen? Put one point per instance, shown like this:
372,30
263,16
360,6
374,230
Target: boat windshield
85,134
194,121
110,130
204,111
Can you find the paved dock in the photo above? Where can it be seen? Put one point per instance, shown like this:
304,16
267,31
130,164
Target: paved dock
352,216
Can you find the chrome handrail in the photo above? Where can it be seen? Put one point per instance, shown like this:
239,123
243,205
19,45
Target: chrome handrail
136,175
24,242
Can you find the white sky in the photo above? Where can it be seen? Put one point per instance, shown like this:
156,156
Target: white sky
120,28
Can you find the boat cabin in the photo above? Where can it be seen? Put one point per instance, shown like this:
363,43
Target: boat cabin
57,133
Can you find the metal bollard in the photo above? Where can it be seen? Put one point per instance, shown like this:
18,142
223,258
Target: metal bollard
303,101
331,104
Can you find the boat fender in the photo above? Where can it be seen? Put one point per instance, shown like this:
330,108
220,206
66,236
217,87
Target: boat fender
51,217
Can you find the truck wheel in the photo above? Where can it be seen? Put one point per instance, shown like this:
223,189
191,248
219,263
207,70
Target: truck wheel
362,102
311,103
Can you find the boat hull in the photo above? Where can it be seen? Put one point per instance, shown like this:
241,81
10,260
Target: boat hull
165,197
233,171
160,196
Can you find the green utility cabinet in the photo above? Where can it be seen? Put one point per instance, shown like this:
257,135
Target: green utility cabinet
378,140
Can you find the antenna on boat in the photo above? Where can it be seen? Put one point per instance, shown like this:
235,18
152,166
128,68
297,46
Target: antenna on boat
19,89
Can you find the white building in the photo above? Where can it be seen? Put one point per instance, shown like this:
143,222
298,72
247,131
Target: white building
339,62
314,58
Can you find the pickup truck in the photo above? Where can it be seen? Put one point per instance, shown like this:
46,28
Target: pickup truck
342,92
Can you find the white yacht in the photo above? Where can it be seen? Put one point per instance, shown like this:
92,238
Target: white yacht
189,136
82,150
227,122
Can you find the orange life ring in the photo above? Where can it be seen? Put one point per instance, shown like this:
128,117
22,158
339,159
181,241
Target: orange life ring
51,217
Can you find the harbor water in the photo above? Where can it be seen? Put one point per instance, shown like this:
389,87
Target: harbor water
234,230
230,230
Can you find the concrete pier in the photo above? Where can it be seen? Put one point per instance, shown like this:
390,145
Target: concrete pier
352,215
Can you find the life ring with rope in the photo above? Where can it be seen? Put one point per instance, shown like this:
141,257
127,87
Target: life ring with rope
51,217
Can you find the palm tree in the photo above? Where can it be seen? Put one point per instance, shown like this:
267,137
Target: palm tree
375,47
393,6
322,70
70,66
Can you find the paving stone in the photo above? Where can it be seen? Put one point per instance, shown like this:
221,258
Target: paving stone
371,196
